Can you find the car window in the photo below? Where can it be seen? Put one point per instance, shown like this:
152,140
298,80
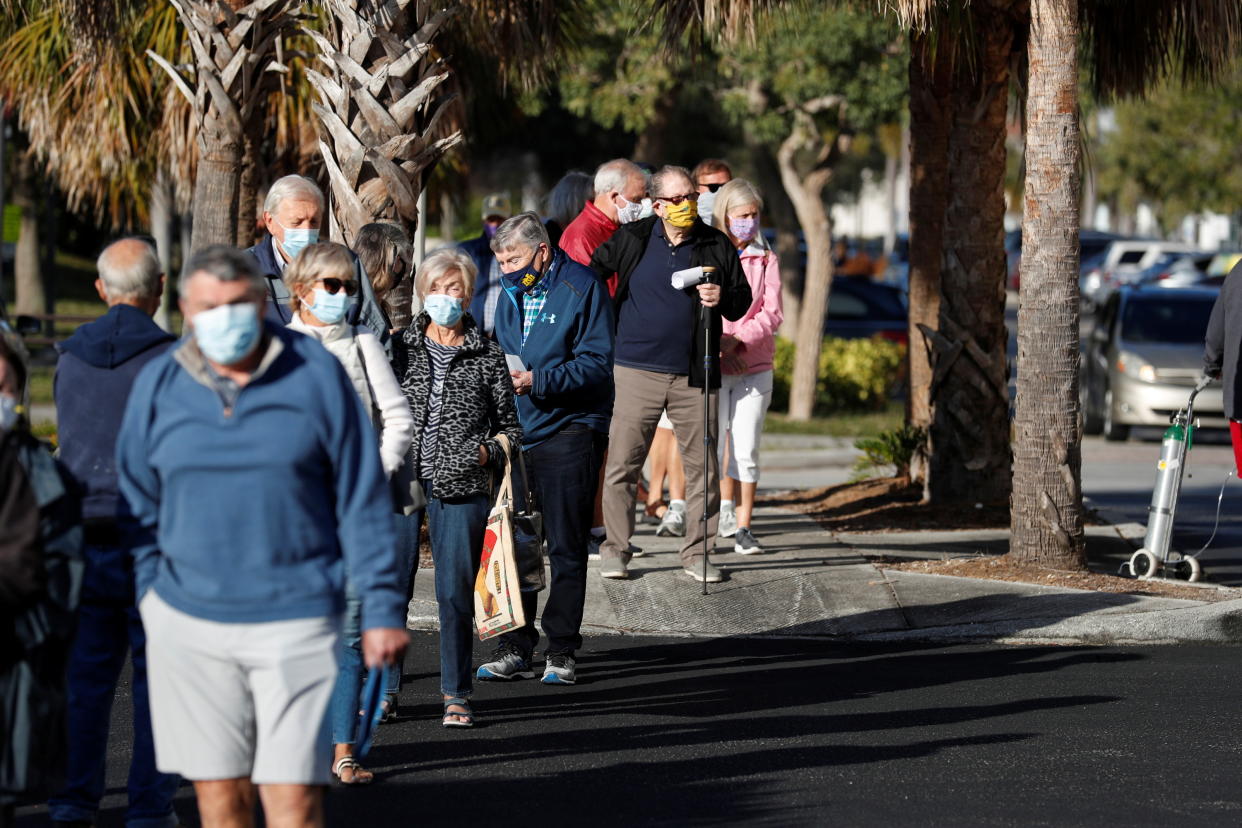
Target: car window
1131,257
844,305
1171,321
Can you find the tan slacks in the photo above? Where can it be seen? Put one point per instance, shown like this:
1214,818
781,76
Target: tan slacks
640,397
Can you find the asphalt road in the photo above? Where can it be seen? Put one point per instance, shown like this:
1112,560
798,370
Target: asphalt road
683,732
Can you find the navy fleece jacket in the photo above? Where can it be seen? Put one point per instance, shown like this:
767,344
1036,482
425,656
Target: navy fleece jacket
97,369
568,351
252,514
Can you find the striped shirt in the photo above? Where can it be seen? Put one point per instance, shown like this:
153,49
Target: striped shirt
439,356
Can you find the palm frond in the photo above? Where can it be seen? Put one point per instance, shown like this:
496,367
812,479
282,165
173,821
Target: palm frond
1132,44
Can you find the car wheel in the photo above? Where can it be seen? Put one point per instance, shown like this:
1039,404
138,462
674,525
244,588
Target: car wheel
1092,422
1113,431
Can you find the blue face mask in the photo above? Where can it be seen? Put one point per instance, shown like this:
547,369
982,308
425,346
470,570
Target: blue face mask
297,239
227,334
443,309
526,276
330,308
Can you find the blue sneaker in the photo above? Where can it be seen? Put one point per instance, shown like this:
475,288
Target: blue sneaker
560,669
507,664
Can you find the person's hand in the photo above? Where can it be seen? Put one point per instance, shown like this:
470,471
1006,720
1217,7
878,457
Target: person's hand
482,455
522,381
709,295
384,646
729,344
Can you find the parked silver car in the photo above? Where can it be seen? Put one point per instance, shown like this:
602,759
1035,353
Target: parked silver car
1143,357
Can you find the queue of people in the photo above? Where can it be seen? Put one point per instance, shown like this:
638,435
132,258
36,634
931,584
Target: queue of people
241,508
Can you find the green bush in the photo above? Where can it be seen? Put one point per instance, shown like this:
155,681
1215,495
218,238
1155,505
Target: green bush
854,374
894,448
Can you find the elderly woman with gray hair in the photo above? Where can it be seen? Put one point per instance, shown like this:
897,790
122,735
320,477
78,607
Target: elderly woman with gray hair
322,289
461,396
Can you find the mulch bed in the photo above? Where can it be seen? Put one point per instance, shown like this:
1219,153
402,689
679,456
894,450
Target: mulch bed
893,504
1002,568
886,504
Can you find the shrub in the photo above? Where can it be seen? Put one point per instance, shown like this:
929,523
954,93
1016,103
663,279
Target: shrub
890,448
854,374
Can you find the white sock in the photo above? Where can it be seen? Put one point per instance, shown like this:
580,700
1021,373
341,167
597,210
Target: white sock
679,505
726,505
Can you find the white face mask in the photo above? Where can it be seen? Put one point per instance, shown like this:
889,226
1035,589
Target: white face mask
707,201
8,412
629,211
648,209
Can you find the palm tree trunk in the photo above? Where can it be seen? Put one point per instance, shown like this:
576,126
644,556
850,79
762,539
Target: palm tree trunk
30,296
1047,475
248,185
930,119
970,453
216,186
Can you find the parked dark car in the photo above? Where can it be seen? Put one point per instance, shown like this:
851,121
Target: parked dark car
1143,356
860,308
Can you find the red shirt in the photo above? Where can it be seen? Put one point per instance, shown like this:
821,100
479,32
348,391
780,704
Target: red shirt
585,233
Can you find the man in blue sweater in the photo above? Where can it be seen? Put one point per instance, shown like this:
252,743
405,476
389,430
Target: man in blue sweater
97,368
555,317
253,482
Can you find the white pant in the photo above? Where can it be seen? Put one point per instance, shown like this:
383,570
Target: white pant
240,700
744,400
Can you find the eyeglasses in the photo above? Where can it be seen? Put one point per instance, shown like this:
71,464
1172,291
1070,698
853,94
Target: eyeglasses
333,286
678,199
711,188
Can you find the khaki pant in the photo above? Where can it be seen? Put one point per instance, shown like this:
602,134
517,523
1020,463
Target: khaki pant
640,397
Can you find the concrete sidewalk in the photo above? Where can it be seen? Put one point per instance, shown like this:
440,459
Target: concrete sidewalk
813,583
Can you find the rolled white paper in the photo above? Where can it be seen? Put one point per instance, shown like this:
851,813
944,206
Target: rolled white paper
689,277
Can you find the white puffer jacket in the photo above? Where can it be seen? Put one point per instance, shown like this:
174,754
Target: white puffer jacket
360,352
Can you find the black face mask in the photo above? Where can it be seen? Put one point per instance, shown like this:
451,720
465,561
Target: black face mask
525,277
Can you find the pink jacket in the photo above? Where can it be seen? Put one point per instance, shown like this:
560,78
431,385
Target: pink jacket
757,328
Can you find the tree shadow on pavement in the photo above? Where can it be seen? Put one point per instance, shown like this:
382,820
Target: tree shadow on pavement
695,731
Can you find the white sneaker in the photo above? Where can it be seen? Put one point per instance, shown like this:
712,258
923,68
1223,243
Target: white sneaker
728,523
674,523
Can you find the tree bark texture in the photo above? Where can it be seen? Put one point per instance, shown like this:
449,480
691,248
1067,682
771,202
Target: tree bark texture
381,108
1047,474
27,279
969,436
805,190
930,120
233,48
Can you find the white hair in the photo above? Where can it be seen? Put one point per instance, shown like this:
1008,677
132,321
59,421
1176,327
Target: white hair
665,176
129,269
612,176
523,230
441,263
292,186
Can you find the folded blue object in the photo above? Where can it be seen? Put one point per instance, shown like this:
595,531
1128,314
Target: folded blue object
372,710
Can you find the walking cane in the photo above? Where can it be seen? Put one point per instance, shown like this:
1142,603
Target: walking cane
709,275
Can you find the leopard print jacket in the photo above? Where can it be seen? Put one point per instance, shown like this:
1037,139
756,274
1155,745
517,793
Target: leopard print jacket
476,405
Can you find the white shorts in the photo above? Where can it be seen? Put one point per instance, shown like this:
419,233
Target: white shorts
240,700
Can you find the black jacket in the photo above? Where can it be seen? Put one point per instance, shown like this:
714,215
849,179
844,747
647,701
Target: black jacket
476,404
1224,341
622,253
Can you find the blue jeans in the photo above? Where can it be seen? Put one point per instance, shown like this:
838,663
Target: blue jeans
108,628
347,695
564,472
456,527
407,545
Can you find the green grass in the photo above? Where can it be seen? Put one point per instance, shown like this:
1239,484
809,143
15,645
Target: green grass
865,424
